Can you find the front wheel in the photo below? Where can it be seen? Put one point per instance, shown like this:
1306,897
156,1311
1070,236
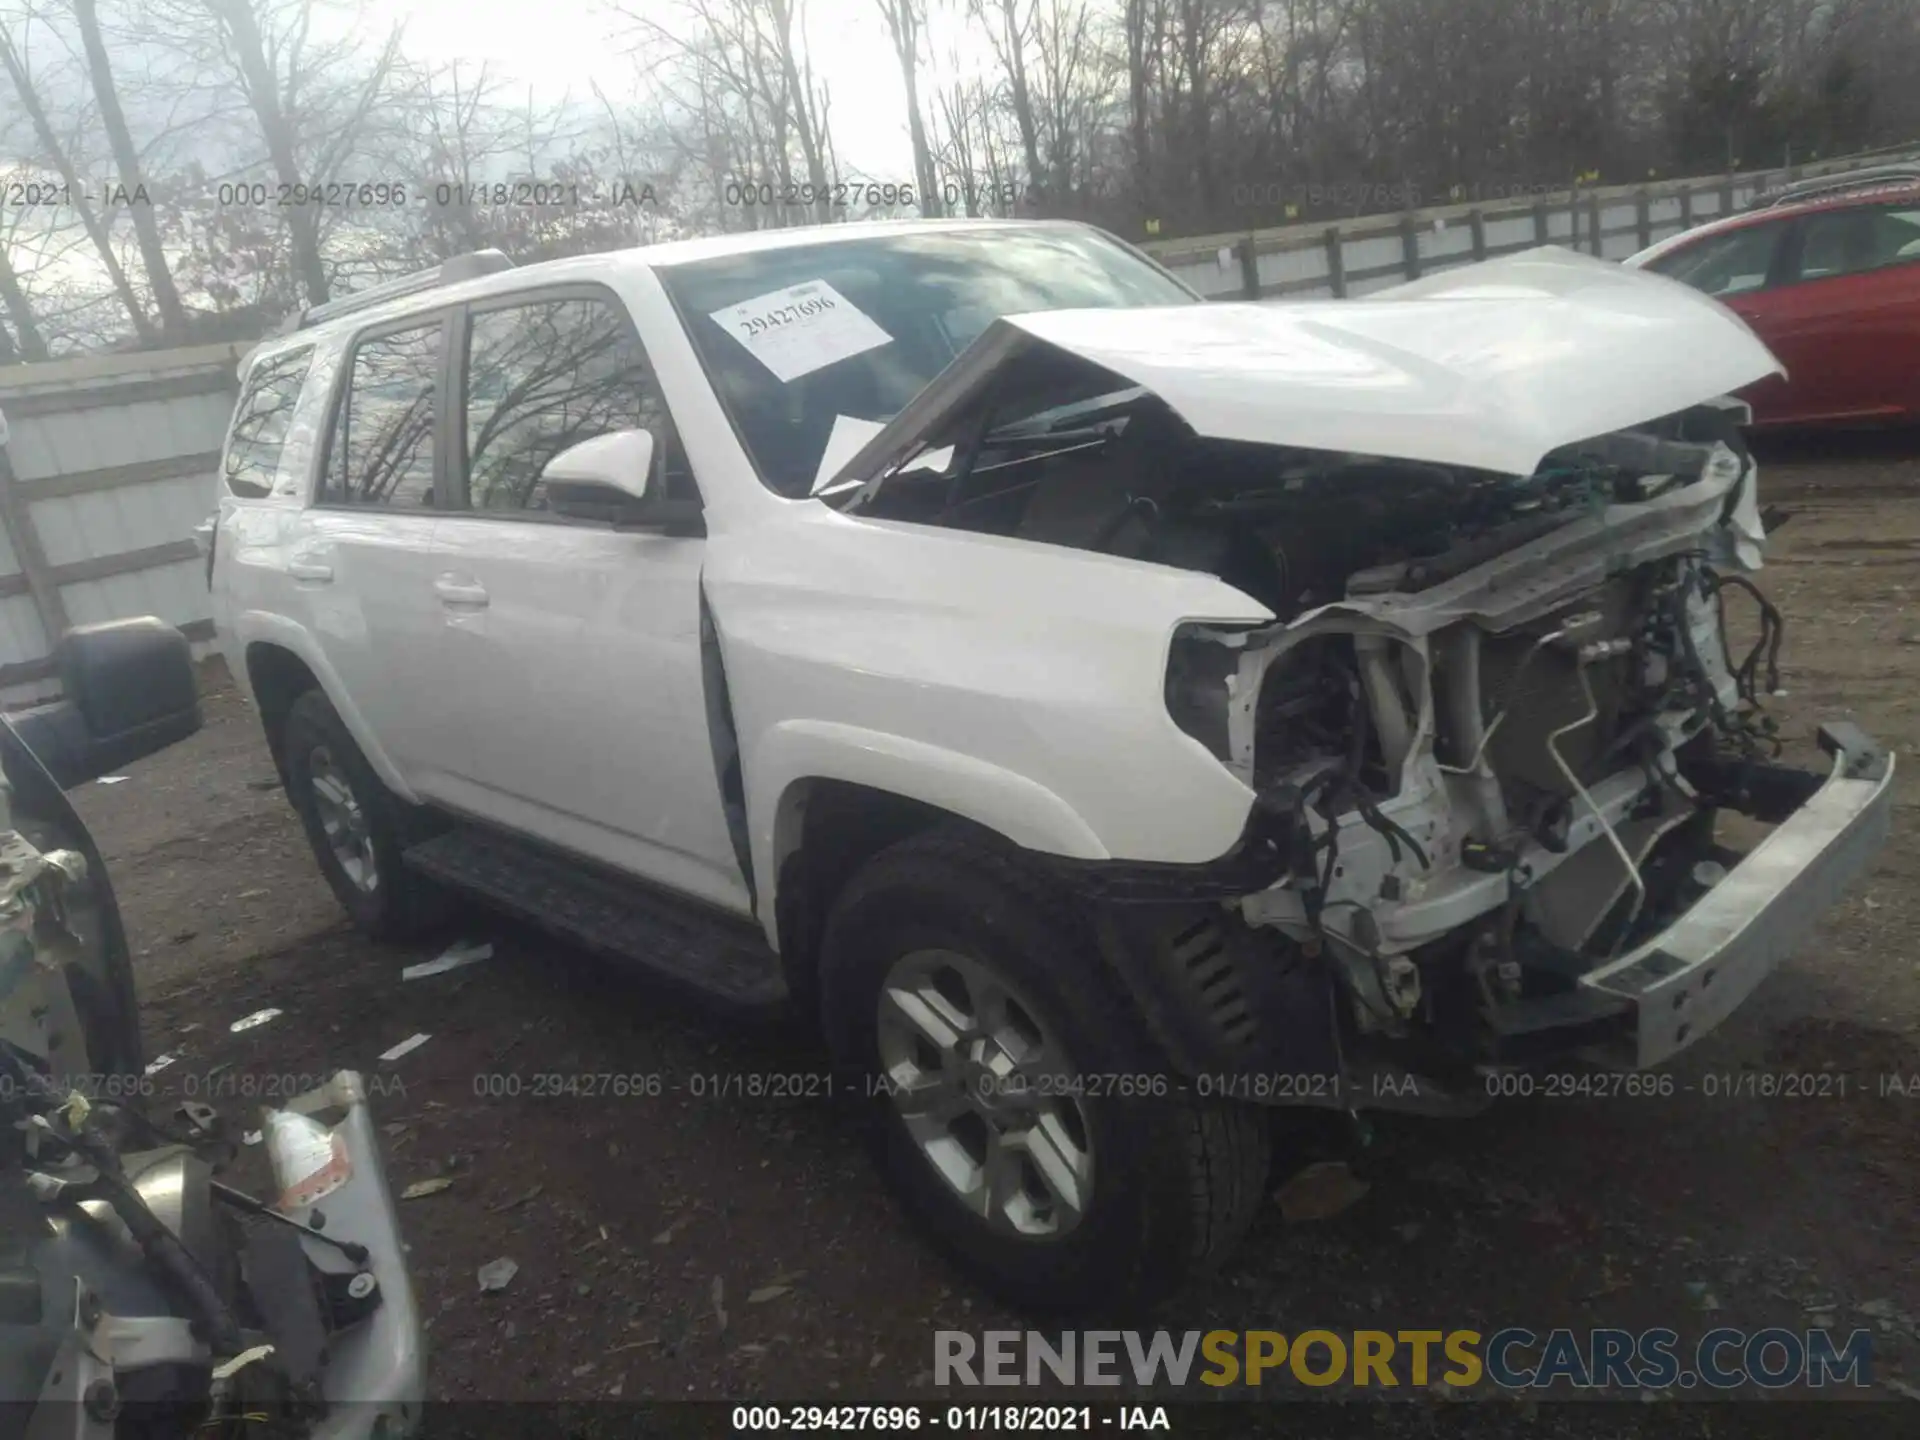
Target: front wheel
357,827
1015,1102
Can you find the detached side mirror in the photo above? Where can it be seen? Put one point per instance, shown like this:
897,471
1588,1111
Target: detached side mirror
130,691
609,479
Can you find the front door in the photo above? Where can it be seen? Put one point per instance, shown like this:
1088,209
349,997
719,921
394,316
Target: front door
572,651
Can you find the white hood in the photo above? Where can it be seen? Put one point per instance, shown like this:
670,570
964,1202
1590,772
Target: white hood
1489,366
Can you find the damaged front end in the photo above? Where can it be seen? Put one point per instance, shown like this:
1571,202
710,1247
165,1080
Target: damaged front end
1493,790
1505,768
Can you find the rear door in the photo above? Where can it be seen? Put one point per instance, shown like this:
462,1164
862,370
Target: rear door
1847,322
571,651
358,564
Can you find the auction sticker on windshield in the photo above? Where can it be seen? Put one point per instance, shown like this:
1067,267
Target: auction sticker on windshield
800,329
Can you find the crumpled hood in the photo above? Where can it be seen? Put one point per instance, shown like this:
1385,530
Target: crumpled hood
1490,366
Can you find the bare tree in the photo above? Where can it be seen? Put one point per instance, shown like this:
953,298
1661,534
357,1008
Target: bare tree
312,101
1144,26
1009,25
126,156
31,345
906,21
738,98
76,194
1194,115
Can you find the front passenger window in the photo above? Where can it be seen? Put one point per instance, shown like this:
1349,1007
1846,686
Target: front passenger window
541,378
1733,263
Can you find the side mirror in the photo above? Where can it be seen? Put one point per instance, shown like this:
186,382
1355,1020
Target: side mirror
604,478
130,691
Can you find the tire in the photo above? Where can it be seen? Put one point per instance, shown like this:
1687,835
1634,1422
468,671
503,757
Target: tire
385,899
1167,1182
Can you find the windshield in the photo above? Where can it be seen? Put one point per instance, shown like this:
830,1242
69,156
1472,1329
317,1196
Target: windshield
804,342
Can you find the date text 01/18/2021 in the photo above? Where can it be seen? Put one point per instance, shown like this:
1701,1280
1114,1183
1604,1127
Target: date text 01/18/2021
957,1419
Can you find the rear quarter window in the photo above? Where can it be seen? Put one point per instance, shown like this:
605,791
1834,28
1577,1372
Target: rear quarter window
262,420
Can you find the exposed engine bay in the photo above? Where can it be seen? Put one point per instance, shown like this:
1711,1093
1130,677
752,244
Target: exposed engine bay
1086,461
1493,722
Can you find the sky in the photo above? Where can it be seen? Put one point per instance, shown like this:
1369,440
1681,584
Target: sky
573,43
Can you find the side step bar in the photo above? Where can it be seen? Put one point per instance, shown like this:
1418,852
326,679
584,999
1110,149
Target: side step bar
622,919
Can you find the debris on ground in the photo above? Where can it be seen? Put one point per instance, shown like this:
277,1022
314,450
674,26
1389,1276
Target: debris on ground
1320,1191
159,1063
496,1275
720,1301
522,1198
422,1188
110,779
405,1047
257,1018
467,952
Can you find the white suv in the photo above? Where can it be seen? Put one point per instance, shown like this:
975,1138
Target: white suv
1108,713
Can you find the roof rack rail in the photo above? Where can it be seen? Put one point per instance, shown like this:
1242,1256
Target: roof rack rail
1869,179
470,266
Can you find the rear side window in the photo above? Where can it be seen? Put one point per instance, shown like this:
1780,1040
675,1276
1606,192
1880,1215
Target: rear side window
1846,242
542,377
261,421
382,448
1734,263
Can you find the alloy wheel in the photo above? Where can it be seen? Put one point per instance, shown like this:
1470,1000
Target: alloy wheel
343,820
986,1093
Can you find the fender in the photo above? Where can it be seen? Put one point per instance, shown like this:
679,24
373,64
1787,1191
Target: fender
793,751
253,627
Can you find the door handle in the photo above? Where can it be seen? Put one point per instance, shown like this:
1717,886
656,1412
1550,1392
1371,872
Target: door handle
317,571
456,590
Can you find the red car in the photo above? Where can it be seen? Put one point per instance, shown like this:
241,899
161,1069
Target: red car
1828,275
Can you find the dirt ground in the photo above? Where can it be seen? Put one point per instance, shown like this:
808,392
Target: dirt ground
677,1246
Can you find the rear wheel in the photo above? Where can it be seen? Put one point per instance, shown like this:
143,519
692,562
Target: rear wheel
357,827
1013,1099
